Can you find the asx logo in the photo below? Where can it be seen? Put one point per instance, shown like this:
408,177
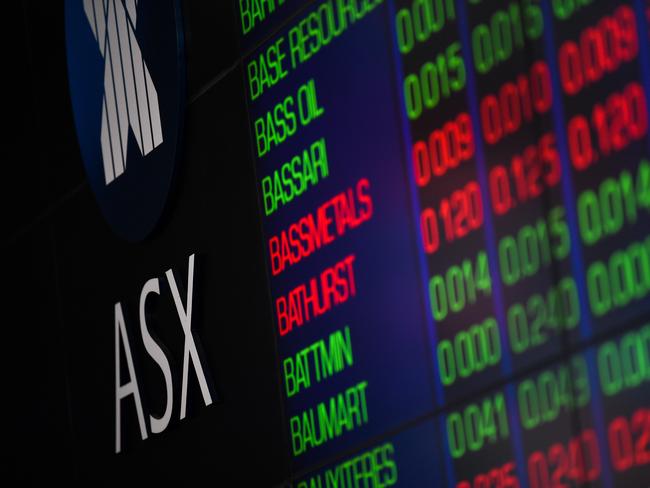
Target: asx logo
126,74
130,99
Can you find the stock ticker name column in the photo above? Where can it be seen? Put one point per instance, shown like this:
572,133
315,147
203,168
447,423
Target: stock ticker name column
343,276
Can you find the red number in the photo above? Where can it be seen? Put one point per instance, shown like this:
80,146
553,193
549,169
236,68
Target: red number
637,124
620,444
501,477
581,149
621,120
511,112
445,149
629,42
601,49
491,120
504,114
537,168
500,190
538,470
557,456
590,449
551,160
641,424
540,80
619,115
429,230
592,50
625,451
466,136
509,478
460,214
475,204
570,68
577,462
421,164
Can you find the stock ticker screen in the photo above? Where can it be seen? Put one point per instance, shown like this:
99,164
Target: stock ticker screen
455,203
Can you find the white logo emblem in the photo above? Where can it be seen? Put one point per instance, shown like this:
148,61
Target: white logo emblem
130,98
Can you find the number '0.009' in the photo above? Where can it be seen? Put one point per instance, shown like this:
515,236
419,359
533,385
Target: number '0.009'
444,149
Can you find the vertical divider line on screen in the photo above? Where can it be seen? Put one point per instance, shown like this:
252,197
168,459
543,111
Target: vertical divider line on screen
644,48
490,236
406,137
577,263
439,401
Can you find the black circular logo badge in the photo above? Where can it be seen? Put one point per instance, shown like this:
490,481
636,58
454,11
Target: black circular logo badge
127,84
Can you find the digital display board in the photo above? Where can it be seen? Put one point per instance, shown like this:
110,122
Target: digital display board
454,200
395,243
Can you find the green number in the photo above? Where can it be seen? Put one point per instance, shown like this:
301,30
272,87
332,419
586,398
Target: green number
589,222
557,309
459,286
438,298
424,18
518,328
477,423
625,365
495,42
471,352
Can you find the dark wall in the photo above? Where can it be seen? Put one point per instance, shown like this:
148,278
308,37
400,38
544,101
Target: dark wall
67,269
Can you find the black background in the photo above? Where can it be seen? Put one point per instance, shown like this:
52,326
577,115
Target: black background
66,270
